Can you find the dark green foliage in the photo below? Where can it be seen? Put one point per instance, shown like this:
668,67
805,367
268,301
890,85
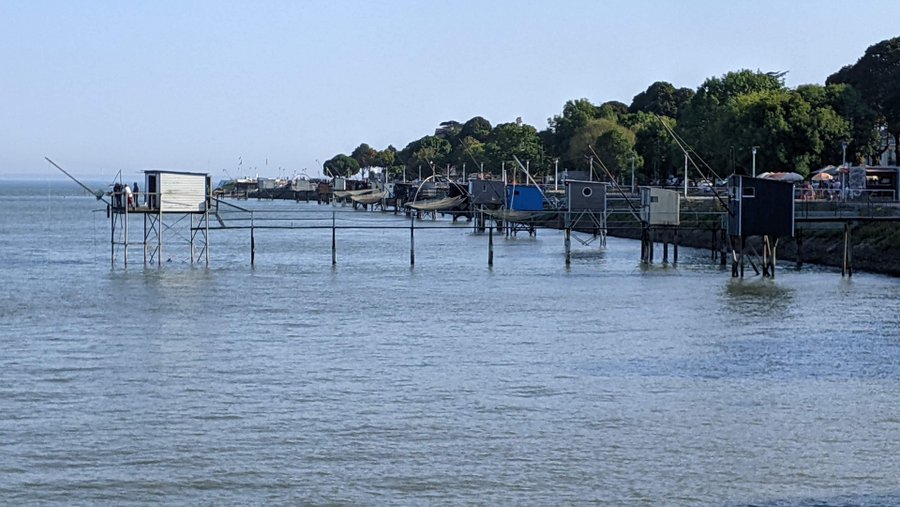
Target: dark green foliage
662,99
509,140
876,75
429,152
341,165
365,155
477,128
795,130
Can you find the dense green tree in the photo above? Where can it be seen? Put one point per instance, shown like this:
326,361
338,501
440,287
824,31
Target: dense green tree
385,158
659,153
576,115
510,140
579,152
448,130
365,155
477,128
701,120
341,165
847,102
791,134
661,98
427,152
615,148
742,82
469,153
876,75
613,110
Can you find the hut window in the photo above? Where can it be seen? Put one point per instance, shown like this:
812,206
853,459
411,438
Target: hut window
654,198
748,192
586,191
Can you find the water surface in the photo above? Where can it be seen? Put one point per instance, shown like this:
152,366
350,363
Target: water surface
448,382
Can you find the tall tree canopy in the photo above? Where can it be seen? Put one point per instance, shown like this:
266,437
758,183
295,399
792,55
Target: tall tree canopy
477,128
365,156
341,165
876,75
510,140
427,152
615,147
661,98
794,129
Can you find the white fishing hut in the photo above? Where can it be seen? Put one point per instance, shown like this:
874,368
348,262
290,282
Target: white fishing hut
167,198
660,206
660,215
177,192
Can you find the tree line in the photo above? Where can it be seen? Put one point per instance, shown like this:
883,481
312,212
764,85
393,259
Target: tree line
799,130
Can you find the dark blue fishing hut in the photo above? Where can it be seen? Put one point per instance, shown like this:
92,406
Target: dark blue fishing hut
487,192
758,207
586,195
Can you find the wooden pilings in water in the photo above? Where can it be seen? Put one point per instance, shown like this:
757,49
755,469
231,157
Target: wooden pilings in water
738,247
846,261
490,246
412,240
768,263
737,255
667,234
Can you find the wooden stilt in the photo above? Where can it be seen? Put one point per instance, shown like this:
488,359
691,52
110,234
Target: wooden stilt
774,257
675,246
490,246
252,243
847,265
724,246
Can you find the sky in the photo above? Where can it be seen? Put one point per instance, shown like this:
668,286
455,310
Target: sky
274,88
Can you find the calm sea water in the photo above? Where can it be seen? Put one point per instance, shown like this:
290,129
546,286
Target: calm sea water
448,383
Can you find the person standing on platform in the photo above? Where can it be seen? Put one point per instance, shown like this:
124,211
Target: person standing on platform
117,196
137,194
129,197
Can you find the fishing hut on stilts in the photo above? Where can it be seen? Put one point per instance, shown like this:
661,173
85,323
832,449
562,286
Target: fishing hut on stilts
486,195
660,217
169,199
760,212
585,212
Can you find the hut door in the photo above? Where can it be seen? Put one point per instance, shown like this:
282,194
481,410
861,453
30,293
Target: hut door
152,191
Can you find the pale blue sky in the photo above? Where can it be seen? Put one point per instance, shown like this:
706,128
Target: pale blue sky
100,86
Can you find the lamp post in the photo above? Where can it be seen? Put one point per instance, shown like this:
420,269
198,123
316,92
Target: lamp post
753,149
632,174
844,170
556,175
